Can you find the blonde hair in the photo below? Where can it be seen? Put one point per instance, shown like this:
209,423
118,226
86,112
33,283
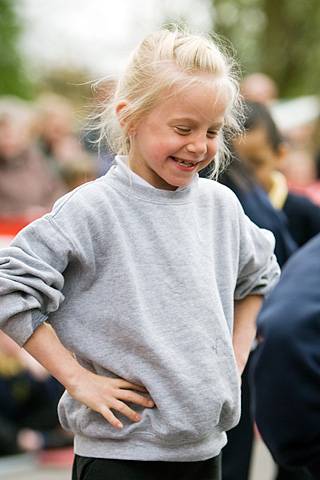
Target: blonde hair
163,60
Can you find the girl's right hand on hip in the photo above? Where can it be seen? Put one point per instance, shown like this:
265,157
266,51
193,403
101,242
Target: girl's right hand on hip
104,394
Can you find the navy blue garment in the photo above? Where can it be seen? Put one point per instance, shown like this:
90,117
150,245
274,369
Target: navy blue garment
236,455
286,366
257,206
303,217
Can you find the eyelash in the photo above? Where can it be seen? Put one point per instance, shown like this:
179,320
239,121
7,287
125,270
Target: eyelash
186,131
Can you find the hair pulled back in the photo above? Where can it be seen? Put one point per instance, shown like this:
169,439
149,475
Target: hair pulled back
163,60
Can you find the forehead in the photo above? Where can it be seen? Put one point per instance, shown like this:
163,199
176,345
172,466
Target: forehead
254,139
201,101
254,147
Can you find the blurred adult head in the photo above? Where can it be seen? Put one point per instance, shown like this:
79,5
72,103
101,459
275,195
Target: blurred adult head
259,87
56,118
16,126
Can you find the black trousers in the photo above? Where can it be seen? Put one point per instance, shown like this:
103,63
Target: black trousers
85,468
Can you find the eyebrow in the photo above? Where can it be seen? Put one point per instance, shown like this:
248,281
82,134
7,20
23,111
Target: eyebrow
189,119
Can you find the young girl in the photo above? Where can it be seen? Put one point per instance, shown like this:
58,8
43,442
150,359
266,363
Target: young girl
137,273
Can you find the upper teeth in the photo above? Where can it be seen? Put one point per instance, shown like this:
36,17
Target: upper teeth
184,162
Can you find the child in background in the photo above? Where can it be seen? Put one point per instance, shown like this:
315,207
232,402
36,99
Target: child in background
150,278
263,150
28,403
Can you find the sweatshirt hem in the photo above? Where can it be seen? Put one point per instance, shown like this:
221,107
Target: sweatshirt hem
144,449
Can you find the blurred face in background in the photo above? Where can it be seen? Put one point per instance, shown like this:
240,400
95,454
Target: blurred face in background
15,136
300,168
259,87
257,152
56,124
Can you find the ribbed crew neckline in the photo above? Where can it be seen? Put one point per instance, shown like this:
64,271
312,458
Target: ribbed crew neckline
124,179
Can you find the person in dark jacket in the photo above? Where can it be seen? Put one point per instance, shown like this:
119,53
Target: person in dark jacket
258,150
286,373
257,206
263,149
236,455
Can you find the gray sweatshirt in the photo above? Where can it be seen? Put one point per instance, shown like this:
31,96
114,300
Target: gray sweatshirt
140,284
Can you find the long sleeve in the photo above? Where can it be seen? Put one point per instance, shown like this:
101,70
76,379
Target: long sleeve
31,279
258,268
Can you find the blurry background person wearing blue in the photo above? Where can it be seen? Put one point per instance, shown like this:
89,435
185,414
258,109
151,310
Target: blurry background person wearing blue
236,454
286,373
263,149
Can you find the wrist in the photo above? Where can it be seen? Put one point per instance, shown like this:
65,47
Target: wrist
75,376
241,361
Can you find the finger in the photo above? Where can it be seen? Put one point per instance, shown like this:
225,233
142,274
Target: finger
130,396
125,410
112,419
128,385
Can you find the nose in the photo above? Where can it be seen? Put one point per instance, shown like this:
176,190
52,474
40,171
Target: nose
198,145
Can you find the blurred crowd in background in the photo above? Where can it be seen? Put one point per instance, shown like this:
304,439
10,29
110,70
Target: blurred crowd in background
46,150
41,155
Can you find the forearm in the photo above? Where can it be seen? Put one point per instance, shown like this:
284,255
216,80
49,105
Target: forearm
97,392
46,348
244,329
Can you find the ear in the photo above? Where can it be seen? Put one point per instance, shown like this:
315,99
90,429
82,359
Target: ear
120,106
282,154
123,121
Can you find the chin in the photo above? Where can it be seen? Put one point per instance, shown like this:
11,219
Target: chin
175,185
184,183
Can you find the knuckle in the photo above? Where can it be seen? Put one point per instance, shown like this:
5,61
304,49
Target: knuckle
106,413
121,407
111,392
128,396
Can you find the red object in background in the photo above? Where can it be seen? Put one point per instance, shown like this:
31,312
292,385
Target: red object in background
60,457
311,191
11,226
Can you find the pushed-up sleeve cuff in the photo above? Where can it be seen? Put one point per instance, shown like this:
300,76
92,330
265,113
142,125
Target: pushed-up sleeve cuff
22,325
258,267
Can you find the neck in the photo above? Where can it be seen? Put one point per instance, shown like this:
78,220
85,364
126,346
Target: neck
147,174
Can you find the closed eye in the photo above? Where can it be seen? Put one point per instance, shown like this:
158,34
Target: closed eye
212,133
182,130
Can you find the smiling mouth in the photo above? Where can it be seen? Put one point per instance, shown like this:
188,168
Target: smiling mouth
186,163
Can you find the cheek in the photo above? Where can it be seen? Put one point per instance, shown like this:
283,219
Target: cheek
262,173
170,145
213,147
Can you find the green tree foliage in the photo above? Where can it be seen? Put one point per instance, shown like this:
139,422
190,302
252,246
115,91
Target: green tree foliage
278,37
13,78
